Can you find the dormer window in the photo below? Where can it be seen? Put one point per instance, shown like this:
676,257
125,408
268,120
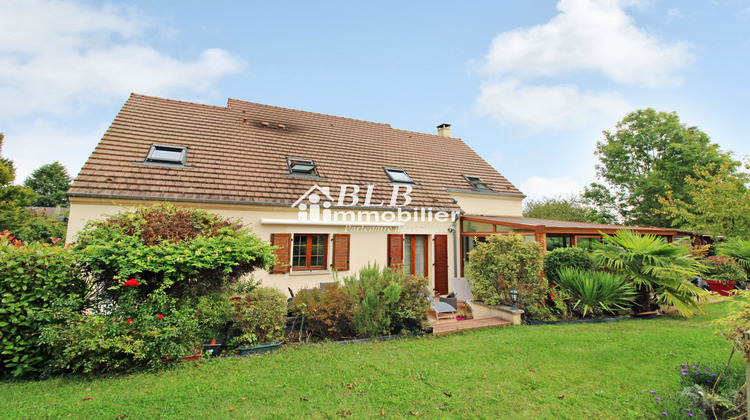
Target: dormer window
477,182
167,154
398,175
302,167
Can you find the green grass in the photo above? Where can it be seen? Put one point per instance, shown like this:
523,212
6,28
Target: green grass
602,371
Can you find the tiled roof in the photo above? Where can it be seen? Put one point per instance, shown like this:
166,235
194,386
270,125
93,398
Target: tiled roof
561,225
238,154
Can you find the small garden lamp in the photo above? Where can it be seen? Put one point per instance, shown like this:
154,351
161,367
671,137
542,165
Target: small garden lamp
514,298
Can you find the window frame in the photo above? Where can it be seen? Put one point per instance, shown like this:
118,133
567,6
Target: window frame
477,183
312,173
397,181
154,147
308,252
412,244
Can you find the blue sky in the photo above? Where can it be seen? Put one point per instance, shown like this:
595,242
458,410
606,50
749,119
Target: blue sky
529,85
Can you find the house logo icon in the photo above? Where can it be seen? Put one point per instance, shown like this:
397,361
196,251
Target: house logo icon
309,205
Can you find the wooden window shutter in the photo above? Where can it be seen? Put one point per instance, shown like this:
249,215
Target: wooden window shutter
395,250
441,263
341,252
283,251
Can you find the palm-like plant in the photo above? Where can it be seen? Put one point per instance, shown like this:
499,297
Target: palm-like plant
596,290
654,266
738,249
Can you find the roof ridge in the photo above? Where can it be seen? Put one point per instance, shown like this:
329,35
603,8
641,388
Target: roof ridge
139,95
308,112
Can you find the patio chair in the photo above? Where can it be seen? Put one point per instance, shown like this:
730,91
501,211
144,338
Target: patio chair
441,308
462,290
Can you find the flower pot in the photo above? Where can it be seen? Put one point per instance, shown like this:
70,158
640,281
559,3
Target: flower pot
723,288
460,317
212,350
260,348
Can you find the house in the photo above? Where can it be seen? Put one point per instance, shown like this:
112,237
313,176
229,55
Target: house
332,194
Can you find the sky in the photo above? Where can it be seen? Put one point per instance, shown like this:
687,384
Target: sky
529,85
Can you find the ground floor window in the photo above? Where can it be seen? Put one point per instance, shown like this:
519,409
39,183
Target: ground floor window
309,252
558,241
587,243
415,254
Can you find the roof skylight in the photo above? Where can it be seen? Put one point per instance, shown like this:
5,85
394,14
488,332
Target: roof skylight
398,175
302,167
477,182
167,154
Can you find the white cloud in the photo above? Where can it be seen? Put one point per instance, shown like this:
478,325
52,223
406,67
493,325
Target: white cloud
58,55
588,35
537,188
42,141
538,108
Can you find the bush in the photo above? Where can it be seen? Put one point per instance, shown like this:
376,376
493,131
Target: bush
261,315
127,338
213,314
724,269
374,296
32,278
596,291
559,258
410,312
502,263
186,252
326,313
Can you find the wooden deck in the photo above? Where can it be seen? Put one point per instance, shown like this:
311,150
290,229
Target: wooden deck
445,326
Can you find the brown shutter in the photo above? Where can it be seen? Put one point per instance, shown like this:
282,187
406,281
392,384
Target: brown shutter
283,251
341,252
441,263
395,250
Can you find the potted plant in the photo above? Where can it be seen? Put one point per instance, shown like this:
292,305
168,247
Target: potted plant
723,274
463,313
261,316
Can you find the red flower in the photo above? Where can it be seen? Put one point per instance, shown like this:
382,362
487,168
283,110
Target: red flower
552,285
131,282
129,320
160,316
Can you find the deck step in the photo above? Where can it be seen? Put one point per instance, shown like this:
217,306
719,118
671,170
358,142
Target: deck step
449,326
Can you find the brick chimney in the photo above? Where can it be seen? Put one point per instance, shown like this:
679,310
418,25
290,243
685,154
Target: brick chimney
444,130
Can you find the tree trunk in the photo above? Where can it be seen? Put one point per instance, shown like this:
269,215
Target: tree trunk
642,300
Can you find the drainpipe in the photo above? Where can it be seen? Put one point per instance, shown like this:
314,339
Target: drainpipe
456,247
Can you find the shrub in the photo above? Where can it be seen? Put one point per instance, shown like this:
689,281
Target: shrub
326,313
260,315
32,278
502,263
213,314
559,258
739,249
596,291
410,312
724,269
374,296
186,252
125,337
550,307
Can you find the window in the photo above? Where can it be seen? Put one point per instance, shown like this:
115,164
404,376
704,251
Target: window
588,243
477,183
167,154
398,175
309,252
558,241
415,254
302,167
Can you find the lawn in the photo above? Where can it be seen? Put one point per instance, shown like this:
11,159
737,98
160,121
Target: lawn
564,371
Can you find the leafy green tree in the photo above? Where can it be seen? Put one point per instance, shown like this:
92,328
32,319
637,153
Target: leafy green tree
50,182
655,267
718,204
649,154
13,199
572,208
